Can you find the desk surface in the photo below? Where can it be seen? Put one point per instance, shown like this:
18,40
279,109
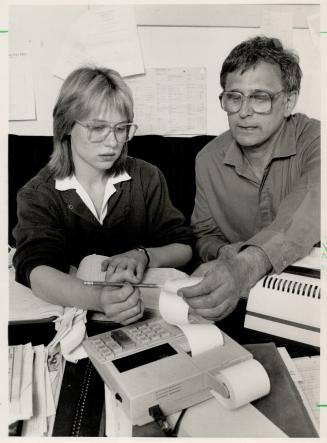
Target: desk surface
81,401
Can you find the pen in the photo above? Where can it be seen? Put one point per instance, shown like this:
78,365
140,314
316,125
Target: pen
120,285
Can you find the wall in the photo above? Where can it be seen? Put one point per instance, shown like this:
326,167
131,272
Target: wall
205,34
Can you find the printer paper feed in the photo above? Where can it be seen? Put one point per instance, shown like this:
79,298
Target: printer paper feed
174,310
246,382
202,338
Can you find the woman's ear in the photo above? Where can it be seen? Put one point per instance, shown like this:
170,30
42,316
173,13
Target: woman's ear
291,101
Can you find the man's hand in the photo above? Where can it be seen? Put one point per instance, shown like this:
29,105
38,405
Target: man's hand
126,267
227,252
224,282
218,293
122,305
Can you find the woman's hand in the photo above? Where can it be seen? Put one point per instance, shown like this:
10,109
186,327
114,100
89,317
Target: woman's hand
123,305
126,267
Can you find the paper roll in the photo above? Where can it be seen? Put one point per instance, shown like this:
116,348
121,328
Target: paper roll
175,284
246,382
174,309
90,268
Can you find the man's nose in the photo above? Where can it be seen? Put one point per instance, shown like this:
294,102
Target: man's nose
246,108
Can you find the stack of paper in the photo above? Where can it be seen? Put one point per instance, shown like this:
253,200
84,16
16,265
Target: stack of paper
309,369
20,382
24,306
35,375
305,372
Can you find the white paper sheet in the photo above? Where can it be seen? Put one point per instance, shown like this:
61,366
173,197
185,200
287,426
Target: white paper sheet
118,424
170,101
305,372
106,36
314,27
37,425
24,305
211,419
278,24
309,368
21,87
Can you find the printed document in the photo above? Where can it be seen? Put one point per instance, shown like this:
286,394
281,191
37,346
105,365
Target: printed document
106,36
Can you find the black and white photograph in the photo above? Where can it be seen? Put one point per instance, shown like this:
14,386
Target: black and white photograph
163,203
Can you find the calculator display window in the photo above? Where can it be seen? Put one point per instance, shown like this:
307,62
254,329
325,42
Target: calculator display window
142,358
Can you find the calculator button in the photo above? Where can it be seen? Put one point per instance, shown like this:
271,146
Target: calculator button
143,328
114,346
107,354
123,339
145,340
153,336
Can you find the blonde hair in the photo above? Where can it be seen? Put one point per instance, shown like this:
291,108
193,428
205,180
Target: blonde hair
85,90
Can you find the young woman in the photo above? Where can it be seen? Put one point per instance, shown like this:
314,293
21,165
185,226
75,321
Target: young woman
93,198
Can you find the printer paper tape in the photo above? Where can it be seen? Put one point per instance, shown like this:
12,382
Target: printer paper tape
246,382
174,310
202,338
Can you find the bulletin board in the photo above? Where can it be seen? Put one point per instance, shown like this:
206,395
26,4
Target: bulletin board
170,36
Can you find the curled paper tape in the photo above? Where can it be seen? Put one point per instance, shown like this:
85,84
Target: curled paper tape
202,338
174,309
246,382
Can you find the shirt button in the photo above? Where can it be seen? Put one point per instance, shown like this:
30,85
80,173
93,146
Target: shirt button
70,206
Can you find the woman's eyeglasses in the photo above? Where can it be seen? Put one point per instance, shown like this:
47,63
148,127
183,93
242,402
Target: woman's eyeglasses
98,132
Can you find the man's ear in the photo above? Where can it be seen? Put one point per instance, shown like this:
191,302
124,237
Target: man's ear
291,101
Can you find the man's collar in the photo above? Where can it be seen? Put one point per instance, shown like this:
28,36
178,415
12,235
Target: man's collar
284,146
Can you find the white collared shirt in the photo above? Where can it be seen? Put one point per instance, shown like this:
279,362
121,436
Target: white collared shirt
64,184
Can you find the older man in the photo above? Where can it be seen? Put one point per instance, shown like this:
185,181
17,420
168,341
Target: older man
258,184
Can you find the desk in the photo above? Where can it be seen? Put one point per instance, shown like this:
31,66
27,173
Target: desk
81,402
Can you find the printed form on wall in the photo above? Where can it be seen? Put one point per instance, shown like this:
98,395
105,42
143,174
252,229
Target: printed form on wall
170,101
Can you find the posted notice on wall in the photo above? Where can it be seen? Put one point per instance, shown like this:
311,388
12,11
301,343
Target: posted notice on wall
21,87
105,36
170,101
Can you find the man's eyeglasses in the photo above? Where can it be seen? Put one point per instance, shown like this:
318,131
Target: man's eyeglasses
260,101
99,131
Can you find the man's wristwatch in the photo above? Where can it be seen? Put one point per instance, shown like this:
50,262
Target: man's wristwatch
142,249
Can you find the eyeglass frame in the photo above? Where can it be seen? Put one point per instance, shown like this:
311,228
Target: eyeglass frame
88,127
271,95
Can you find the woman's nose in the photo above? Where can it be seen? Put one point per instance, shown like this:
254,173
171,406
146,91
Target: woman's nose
110,139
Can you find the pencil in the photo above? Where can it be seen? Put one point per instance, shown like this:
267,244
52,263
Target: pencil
120,285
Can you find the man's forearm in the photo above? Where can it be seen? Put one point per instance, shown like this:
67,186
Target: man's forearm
208,247
253,264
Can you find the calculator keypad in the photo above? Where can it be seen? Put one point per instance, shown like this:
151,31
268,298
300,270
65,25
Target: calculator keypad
132,338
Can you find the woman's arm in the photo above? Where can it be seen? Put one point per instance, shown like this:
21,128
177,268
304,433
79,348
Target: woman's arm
122,305
130,265
174,255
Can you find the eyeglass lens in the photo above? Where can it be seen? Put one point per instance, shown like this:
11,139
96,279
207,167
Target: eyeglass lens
233,101
122,133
